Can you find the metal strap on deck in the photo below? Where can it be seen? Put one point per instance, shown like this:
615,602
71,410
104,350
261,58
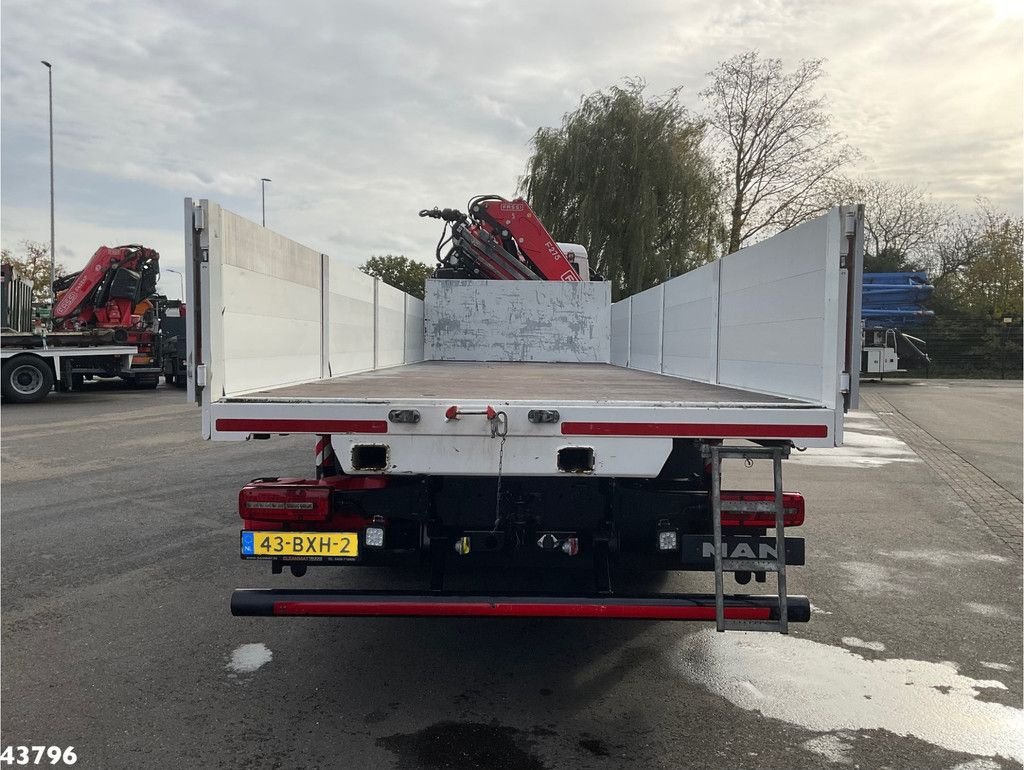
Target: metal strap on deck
777,565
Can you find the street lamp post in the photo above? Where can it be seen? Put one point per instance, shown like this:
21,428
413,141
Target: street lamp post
53,246
263,198
181,280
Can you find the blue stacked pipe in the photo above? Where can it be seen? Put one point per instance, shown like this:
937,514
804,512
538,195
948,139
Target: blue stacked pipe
895,300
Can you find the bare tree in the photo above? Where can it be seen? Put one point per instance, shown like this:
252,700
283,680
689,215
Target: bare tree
34,266
902,223
963,239
778,148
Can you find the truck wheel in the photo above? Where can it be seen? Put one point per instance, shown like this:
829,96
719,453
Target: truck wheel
146,381
169,379
26,379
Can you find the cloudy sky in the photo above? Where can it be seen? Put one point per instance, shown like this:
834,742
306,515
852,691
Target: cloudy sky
364,112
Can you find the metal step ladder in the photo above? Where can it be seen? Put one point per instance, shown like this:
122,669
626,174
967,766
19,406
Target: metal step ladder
777,565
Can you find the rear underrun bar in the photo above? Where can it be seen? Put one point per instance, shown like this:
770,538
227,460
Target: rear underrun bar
329,603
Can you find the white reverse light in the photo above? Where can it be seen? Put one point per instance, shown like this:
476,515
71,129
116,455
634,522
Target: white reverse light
375,537
668,540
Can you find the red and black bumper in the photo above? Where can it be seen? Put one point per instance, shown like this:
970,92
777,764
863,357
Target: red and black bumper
330,603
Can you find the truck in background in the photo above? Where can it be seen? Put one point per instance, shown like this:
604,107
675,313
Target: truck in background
893,302
104,324
527,424
173,346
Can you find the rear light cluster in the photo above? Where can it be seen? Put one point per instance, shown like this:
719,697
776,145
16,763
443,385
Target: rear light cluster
287,500
281,502
792,510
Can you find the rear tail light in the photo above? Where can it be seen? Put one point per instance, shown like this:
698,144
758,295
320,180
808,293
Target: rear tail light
792,509
281,502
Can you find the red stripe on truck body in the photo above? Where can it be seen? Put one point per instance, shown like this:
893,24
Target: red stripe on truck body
693,429
301,426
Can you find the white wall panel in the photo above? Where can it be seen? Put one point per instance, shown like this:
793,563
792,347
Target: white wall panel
690,338
351,320
779,312
278,313
645,328
270,318
620,333
766,318
413,329
390,325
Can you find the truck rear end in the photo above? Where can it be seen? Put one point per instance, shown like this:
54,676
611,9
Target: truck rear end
525,425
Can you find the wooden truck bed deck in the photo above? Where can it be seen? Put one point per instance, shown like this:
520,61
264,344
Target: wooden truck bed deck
517,381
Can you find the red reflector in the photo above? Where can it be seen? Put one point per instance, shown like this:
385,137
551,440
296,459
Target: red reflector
792,510
279,502
514,610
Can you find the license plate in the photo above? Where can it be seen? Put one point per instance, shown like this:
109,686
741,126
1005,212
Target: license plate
340,545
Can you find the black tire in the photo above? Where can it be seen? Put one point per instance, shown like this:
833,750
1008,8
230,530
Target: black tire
26,379
169,379
145,381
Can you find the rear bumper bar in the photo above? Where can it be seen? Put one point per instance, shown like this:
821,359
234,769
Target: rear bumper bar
329,603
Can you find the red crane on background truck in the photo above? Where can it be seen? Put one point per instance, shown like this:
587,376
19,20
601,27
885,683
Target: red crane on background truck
105,323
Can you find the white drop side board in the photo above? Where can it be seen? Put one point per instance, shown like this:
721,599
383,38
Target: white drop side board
267,311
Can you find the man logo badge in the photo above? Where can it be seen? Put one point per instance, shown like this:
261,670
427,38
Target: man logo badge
740,551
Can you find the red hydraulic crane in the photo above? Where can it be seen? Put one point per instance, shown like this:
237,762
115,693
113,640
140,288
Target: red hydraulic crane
500,239
105,293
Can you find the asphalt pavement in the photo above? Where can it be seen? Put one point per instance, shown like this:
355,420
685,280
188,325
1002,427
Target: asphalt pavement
119,542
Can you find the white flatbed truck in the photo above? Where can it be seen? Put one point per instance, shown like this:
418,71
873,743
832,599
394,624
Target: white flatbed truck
30,368
515,423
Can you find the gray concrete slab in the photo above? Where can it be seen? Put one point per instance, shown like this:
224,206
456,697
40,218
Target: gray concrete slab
118,556
982,419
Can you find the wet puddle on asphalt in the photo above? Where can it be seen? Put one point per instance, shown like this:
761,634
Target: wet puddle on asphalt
831,689
248,658
867,443
461,744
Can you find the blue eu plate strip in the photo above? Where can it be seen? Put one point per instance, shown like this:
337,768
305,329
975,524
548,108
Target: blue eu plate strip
248,548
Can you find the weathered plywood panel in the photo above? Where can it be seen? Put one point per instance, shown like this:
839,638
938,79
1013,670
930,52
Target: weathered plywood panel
548,321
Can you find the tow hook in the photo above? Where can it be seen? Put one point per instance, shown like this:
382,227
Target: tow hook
498,421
